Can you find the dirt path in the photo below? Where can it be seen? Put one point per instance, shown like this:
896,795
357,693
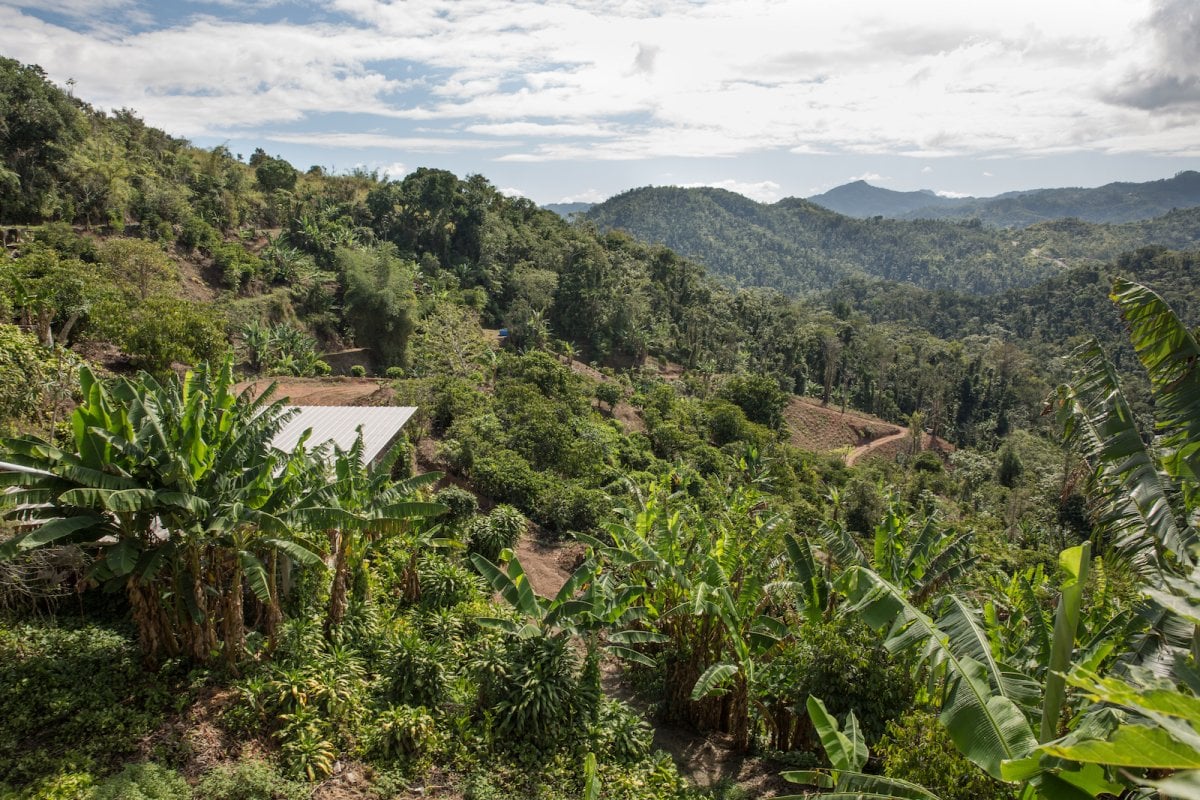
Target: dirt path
705,759
858,452
623,412
325,391
547,565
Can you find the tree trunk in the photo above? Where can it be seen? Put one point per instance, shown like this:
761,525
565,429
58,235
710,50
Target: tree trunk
234,622
205,639
144,618
274,611
411,581
65,331
337,591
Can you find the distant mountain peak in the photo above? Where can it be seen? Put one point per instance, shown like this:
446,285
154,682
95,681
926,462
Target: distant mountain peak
861,199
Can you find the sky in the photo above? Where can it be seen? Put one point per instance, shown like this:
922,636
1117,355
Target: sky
575,101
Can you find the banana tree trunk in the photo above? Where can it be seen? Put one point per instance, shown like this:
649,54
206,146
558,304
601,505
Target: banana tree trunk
274,615
204,637
411,580
234,622
338,589
144,617
739,714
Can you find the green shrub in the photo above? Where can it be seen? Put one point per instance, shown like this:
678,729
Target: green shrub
928,462
462,504
162,330
358,371
306,750
864,504
249,779
321,368
757,395
845,665
454,399
414,674
60,686
608,393
402,731
445,583
917,748
726,422
143,782
23,374
499,530
66,785
1010,468
507,477
565,507
621,734
237,265
539,368
196,234
394,373
534,690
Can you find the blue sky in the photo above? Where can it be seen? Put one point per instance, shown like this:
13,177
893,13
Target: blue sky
578,100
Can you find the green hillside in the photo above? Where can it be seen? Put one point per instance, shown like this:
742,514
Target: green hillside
798,247
1113,202
614,530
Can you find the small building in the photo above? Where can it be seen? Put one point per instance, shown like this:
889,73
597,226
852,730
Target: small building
381,428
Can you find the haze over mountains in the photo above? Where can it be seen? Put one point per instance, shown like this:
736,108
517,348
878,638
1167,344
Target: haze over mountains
1113,202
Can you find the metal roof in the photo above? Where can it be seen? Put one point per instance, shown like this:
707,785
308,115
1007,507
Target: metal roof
339,424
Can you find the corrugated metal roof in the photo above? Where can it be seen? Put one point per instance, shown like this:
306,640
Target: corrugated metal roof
339,424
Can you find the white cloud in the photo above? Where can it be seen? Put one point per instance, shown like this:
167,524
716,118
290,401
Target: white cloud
589,196
950,194
543,130
418,144
988,175
926,170
597,80
762,191
512,191
394,171
870,177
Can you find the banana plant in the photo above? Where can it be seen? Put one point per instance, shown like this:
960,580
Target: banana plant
177,488
588,603
1145,497
847,753
811,583
361,508
919,555
988,708
1138,725
706,578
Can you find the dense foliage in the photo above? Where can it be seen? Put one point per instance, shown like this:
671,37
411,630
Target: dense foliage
658,521
797,247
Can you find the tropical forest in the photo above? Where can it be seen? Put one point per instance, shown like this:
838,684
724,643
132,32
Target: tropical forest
702,498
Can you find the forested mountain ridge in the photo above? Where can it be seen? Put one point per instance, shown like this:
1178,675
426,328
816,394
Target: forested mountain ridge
1112,202
796,246
860,199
